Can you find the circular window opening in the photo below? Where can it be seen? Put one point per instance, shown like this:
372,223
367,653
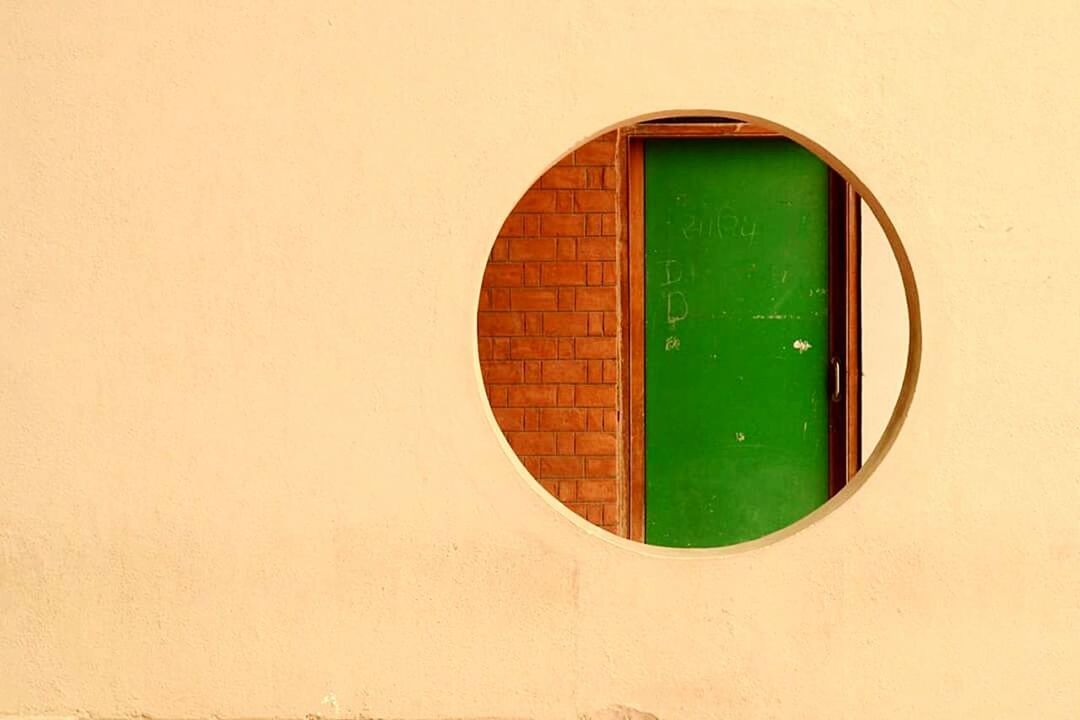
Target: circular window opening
692,331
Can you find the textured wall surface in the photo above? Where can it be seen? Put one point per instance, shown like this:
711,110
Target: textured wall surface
247,465
547,331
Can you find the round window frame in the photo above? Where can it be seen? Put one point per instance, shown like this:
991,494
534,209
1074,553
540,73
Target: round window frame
900,410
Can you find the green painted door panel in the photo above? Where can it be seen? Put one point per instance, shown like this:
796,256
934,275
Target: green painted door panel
736,338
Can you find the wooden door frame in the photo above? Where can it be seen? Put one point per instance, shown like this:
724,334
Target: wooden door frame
844,318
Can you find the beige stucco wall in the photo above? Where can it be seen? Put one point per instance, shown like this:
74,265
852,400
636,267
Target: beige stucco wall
885,327
246,466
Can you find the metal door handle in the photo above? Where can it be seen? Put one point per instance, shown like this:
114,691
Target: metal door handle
835,379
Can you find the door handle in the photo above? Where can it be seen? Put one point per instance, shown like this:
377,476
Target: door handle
835,379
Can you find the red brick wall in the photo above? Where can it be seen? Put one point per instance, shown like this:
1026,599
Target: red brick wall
547,331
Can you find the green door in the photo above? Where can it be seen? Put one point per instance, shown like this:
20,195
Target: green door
736,338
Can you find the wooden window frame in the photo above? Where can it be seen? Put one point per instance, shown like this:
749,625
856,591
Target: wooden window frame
845,411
